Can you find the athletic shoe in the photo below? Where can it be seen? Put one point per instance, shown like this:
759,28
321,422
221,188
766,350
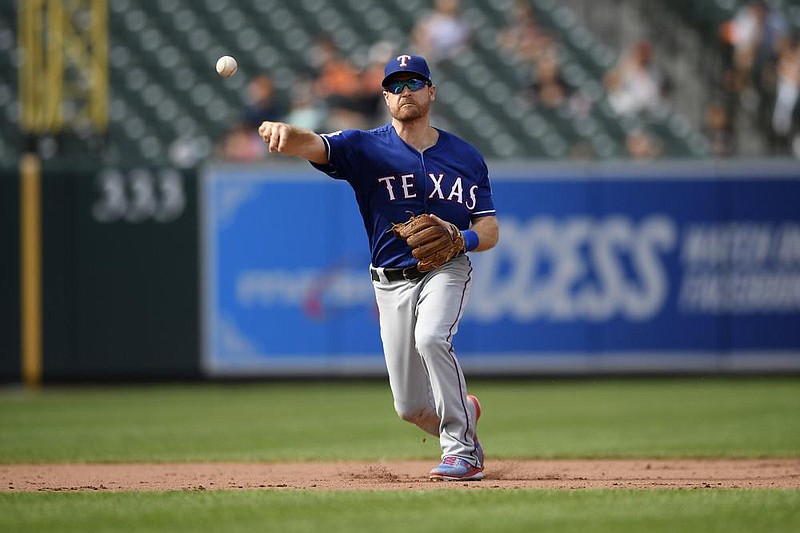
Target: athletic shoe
455,468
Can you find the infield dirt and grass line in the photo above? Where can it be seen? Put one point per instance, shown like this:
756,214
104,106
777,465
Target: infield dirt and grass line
608,434
402,475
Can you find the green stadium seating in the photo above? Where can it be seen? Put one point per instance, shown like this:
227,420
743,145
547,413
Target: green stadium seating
164,88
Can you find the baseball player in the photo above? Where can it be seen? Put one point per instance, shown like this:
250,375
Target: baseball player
421,273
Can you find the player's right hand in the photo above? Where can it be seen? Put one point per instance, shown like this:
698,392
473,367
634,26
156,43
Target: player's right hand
293,140
275,135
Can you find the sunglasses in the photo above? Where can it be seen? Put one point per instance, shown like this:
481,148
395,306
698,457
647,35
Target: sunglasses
414,85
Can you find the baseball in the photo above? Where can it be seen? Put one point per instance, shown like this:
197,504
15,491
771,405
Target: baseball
226,66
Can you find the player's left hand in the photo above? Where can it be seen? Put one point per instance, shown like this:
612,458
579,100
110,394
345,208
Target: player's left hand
434,241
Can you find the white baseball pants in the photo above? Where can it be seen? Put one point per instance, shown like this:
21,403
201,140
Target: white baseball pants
418,321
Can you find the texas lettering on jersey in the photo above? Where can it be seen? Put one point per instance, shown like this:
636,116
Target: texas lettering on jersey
403,186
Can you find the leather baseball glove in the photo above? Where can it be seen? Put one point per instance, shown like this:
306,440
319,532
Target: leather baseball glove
434,241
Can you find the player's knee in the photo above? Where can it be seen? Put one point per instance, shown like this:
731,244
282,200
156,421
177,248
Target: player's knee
407,414
413,413
430,343
424,417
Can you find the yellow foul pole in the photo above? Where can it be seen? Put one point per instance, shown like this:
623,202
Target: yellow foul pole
33,109
63,63
31,269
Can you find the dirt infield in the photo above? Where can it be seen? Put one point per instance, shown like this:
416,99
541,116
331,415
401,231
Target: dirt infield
402,475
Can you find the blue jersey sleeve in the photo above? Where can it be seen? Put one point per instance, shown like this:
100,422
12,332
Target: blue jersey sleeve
484,205
340,146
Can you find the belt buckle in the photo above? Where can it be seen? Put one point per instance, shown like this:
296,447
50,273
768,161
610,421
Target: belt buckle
413,270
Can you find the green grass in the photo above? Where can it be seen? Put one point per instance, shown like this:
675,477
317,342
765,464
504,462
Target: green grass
692,417
435,511
641,418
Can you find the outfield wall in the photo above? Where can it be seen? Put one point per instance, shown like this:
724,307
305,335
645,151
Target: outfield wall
9,277
119,274
599,269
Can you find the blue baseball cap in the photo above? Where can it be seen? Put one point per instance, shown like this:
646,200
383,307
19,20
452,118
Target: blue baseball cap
406,63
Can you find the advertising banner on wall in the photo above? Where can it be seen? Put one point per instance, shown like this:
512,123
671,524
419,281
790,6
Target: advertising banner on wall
635,269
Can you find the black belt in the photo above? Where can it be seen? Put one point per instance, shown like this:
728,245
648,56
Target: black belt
397,274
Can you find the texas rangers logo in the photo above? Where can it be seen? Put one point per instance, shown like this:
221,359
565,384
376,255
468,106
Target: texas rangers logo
404,59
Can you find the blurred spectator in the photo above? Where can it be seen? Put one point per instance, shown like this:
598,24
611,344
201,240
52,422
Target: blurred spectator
641,145
338,87
304,108
634,84
442,34
729,95
755,34
262,103
785,121
372,103
522,38
242,144
718,130
548,89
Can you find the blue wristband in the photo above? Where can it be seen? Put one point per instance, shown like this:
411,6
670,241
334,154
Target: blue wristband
470,239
